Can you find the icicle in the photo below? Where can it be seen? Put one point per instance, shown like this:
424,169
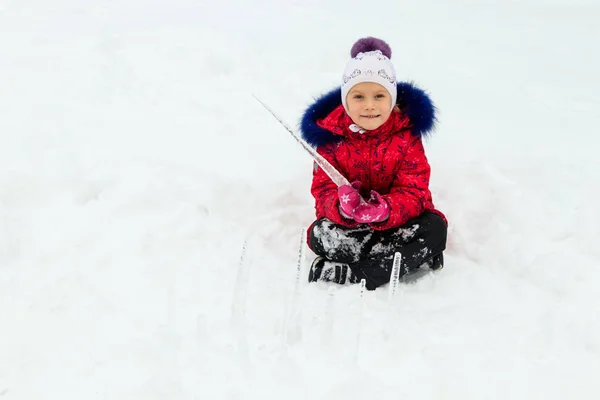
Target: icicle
201,327
359,319
293,324
395,275
301,256
172,338
238,308
329,316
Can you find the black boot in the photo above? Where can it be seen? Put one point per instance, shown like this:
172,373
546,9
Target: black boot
323,270
435,263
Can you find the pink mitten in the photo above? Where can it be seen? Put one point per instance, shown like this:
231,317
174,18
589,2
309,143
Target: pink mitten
349,198
376,210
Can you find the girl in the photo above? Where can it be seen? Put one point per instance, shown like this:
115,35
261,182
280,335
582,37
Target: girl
370,130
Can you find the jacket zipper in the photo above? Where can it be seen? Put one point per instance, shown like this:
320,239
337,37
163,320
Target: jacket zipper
370,147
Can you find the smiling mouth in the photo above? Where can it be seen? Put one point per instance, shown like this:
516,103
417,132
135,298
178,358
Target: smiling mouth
369,116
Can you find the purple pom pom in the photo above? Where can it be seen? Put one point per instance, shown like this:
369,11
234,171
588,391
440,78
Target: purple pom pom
371,44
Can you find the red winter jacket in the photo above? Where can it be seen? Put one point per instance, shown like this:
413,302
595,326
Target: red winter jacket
390,159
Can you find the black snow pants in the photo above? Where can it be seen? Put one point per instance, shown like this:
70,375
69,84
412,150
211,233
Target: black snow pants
370,253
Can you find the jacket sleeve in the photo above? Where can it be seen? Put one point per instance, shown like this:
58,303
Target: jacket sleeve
324,190
410,189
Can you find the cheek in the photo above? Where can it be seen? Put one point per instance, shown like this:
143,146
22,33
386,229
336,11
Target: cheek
388,105
354,107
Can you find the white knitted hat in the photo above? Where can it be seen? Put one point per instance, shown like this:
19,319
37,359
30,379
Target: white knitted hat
370,62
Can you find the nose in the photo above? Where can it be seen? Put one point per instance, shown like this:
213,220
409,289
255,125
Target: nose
370,104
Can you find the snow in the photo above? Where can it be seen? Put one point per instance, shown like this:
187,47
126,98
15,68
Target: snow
135,164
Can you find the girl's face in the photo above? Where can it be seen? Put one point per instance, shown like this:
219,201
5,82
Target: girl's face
369,105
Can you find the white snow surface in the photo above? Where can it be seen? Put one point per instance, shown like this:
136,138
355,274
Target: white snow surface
135,164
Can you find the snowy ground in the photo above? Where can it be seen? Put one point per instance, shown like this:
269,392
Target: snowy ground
134,164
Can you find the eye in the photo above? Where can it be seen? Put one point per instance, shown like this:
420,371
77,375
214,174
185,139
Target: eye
358,96
380,96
